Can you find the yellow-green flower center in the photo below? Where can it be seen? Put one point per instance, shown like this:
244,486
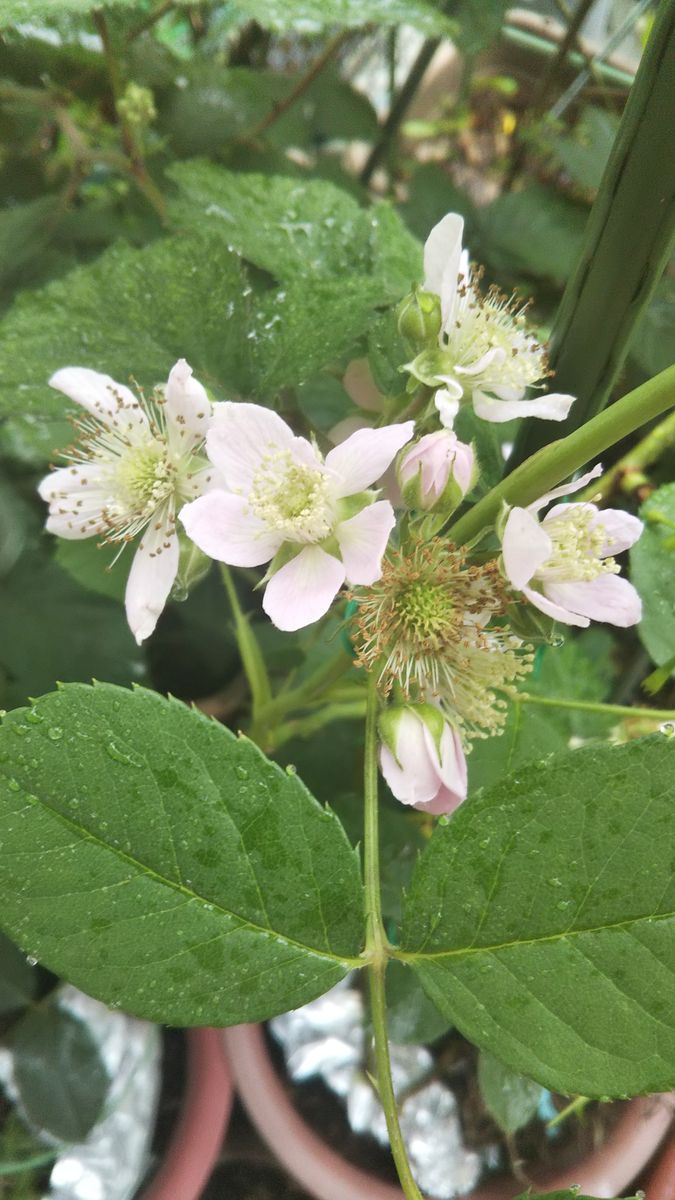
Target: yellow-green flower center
146,476
577,547
291,497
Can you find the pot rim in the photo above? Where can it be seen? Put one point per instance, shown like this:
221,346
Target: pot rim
605,1172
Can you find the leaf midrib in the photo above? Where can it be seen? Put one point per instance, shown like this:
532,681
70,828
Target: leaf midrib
181,889
413,956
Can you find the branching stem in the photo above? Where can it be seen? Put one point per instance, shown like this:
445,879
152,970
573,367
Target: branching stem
557,461
606,710
251,657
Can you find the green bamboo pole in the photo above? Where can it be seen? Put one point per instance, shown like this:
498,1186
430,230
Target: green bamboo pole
626,245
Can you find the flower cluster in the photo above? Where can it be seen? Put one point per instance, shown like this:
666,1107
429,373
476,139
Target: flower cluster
432,620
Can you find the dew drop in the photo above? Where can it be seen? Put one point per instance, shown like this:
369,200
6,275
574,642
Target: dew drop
55,733
118,755
242,772
34,716
291,770
13,785
554,882
74,803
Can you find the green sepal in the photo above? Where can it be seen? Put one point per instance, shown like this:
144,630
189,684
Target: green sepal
419,317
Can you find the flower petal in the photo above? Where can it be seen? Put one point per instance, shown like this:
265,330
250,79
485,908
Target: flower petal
414,776
607,598
108,401
525,546
151,577
442,255
188,407
240,436
566,489
621,530
452,762
447,404
365,456
223,526
304,589
551,408
556,611
77,496
363,540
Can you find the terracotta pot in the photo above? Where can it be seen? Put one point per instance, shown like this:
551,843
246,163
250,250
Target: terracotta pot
604,1173
198,1136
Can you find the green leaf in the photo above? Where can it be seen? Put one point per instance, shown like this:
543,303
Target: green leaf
537,920
479,23
162,864
535,231
59,632
432,194
284,15
18,981
411,1015
653,342
510,1098
306,325
132,312
578,670
61,1080
298,229
583,153
567,1194
90,563
214,106
652,561
16,12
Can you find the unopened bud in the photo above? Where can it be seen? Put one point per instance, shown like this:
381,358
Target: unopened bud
436,473
421,758
137,106
419,317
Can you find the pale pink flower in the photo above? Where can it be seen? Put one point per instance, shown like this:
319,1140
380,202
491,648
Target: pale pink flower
486,353
137,460
564,563
436,472
422,759
283,502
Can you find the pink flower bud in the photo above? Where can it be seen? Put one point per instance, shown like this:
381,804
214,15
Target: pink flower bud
437,472
422,759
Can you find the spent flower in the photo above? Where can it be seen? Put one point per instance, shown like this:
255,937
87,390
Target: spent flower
136,461
433,627
422,758
485,351
316,520
564,562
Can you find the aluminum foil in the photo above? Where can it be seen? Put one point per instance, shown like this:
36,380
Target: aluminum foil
110,1163
326,1040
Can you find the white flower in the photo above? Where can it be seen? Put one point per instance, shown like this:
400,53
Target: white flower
136,462
563,564
422,759
282,499
486,353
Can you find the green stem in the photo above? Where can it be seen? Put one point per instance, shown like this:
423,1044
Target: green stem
377,947
399,108
628,473
251,657
305,726
607,710
305,81
328,673
555,462
130,141
626,244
